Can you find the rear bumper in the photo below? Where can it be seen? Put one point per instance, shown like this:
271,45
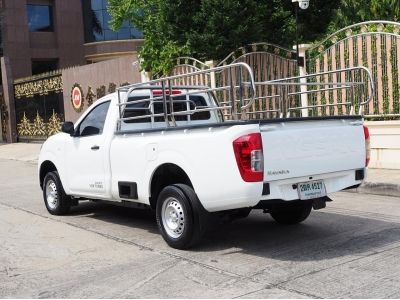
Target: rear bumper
287,189
250,194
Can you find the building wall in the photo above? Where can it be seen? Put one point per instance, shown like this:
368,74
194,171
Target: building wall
99,51
385,144
69,29
16,38
1,123
116,71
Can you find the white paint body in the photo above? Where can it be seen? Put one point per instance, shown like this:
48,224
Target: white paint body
330,150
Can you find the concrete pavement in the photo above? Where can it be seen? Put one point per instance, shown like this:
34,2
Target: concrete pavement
348,250
383,182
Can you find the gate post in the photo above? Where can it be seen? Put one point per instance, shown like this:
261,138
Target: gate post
211,64
8,93
145,76
3,132
302,72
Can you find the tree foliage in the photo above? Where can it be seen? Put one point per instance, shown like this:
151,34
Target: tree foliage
151,17
351,12
211,29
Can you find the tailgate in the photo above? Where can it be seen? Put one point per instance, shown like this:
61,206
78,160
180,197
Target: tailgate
310,147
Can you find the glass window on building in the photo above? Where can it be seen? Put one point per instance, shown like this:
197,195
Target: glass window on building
40,18
96,21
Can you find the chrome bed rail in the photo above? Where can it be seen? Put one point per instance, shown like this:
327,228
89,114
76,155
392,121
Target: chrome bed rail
331,93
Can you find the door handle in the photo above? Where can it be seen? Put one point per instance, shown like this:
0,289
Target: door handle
94,148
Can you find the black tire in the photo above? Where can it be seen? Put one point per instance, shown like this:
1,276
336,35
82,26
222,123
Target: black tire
60,203
291,214
184,228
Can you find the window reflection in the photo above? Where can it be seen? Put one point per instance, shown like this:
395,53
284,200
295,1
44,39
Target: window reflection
96,20
40,17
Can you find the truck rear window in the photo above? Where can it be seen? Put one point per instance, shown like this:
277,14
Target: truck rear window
180,105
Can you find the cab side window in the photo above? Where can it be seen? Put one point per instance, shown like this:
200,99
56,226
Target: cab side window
94,122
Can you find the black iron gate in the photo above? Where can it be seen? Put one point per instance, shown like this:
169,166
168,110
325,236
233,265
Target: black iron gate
39,106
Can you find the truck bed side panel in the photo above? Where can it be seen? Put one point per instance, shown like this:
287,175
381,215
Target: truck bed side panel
206,155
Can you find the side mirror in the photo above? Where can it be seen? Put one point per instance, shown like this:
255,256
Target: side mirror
68,127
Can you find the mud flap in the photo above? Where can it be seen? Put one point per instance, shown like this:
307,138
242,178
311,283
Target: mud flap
320,203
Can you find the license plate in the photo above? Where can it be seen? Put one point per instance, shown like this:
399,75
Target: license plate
311,190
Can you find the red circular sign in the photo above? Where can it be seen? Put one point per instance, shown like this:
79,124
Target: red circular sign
77,97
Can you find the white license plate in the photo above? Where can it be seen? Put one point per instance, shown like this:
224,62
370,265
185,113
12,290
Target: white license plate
311,190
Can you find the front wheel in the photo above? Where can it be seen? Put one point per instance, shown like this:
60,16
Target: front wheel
55,199
291,214
177,217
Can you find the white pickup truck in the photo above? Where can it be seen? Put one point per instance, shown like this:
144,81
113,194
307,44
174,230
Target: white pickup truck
171,148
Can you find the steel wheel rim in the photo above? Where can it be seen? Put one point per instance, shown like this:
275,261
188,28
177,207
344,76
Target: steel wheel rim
173,217
51,194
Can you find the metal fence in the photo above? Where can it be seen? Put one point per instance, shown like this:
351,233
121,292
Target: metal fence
185,65
374,45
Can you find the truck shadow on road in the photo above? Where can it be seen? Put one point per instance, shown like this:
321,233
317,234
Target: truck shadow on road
324,235
141,219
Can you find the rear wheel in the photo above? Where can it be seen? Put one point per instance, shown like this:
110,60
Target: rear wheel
178,218
55,199
291,214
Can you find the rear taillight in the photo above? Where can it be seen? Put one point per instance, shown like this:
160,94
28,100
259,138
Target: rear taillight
249,157
367,146
166,92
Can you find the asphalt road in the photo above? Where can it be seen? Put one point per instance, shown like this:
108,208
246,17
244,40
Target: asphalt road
351,249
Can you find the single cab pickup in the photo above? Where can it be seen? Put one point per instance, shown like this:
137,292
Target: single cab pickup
173,149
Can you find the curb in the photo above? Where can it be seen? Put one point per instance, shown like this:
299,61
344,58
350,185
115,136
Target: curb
379,188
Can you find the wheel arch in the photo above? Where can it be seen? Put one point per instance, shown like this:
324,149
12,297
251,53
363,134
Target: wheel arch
164,175
46,167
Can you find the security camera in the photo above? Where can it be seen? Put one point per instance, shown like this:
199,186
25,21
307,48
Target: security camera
303,4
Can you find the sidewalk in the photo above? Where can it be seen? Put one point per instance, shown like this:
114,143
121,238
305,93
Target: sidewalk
382,182
28,152
379,181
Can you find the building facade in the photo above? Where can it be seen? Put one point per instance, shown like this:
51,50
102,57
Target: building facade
102,43
41,36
